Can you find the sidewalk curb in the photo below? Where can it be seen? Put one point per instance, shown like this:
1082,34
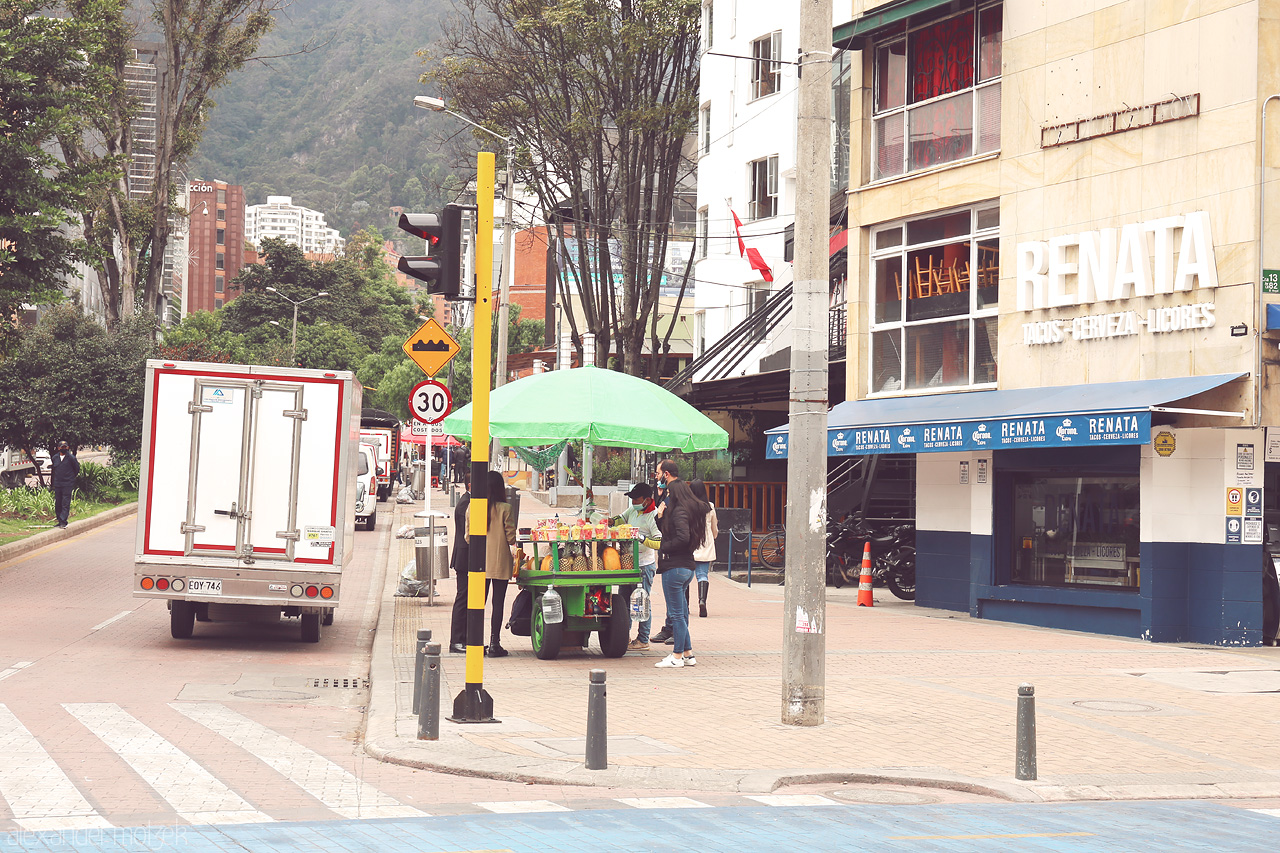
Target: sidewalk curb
455,755
34,543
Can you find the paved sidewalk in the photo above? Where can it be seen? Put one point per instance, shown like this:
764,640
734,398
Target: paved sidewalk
913,695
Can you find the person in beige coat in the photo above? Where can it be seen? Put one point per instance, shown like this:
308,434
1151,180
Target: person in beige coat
499,563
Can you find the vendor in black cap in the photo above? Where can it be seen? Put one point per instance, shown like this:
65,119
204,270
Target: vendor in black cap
65,469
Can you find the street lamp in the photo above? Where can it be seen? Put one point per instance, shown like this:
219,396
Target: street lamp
508,247
293,345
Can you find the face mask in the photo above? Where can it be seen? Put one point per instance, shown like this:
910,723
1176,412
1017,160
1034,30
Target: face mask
661,485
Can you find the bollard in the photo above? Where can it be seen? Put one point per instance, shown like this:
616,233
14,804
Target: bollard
1026,763
424,634
597,723
429,707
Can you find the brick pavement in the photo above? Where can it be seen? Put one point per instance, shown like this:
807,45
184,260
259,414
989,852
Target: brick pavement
912,695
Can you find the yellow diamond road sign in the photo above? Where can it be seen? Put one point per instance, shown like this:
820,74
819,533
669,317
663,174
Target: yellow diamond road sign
431,347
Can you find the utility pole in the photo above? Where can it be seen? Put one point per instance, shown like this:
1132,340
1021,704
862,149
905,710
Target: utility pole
804,610
504,293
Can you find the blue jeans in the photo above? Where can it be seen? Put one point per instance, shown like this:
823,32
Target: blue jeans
674,584
646,579
702,569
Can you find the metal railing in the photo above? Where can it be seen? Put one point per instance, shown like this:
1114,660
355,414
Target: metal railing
767,502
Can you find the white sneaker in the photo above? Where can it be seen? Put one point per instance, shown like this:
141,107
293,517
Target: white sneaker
690,660
670,661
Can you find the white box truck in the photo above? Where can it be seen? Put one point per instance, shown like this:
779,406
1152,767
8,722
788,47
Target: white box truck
248,490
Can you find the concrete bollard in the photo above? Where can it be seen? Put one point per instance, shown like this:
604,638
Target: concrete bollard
597,723
1026,761
429,707
424,634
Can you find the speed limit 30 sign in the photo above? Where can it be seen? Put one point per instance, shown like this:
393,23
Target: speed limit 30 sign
430,402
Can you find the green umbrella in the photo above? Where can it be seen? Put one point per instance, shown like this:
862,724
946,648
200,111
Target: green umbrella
601,407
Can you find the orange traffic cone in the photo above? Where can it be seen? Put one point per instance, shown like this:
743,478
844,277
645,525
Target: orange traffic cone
864,580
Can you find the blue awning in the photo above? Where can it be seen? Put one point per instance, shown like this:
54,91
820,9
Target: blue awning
1107,413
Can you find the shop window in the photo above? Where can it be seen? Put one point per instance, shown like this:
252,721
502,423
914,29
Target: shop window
218,284
766,71
935,285
937,91
1075,531
764,189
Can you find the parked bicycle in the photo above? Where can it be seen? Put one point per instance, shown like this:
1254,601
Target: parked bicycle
893,553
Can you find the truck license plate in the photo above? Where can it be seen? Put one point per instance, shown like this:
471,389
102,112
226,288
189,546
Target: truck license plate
203,586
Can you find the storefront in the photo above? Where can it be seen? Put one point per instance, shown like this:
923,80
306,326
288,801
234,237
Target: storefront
1057,305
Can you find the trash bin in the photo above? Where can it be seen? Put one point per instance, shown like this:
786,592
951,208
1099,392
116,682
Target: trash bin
513,498
431,552
419,476
732,519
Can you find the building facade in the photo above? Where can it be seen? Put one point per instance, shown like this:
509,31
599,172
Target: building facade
1059,306
215,244
282,219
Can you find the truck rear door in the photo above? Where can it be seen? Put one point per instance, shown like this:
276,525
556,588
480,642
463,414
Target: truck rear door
243,485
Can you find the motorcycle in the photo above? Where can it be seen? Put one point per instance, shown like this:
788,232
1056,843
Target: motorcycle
893,554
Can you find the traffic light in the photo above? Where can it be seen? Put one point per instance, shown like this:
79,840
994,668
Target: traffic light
442,269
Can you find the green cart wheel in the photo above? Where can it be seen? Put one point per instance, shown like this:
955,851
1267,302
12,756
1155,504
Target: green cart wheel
616,632
546,637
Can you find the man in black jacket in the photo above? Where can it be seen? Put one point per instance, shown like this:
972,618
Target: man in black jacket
668,472
460,563
65,468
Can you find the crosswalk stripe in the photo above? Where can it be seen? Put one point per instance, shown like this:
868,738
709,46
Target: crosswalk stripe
523,807
793,800
321,778
1271,812
15,669
662,803
39,794
191,790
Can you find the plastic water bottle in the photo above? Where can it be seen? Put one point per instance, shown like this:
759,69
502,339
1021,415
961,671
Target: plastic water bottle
639,605
552,607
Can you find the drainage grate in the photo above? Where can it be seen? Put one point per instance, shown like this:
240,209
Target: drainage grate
339,683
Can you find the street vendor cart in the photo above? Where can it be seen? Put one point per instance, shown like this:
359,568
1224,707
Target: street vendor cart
592,569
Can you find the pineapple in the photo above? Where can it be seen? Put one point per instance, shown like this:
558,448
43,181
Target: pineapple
580,560
626,558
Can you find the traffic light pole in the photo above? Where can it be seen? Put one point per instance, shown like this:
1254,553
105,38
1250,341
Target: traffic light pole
474,704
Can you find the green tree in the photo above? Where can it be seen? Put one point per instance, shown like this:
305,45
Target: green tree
69,379
600,97
364,299
52,82
202,44
200,337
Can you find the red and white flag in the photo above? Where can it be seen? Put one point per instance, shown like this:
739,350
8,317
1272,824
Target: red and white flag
753,256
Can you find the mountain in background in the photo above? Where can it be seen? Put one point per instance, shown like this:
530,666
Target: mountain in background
335,127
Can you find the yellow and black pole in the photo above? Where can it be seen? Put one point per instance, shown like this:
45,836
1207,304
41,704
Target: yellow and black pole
473,704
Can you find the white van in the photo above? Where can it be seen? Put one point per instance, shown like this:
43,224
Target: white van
367,487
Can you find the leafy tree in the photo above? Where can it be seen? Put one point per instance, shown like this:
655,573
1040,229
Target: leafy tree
203,43
52,81
364,299
69,379
601,96
200,337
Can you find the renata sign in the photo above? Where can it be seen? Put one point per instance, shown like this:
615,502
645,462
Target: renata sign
1111,264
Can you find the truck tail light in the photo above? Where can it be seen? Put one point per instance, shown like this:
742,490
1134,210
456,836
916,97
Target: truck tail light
146,583
312,592
162,584
296,590
326,592
178,585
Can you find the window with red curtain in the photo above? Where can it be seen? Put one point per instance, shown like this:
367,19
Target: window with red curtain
942,58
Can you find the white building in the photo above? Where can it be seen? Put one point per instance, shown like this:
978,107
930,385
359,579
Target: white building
282,219
747,165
